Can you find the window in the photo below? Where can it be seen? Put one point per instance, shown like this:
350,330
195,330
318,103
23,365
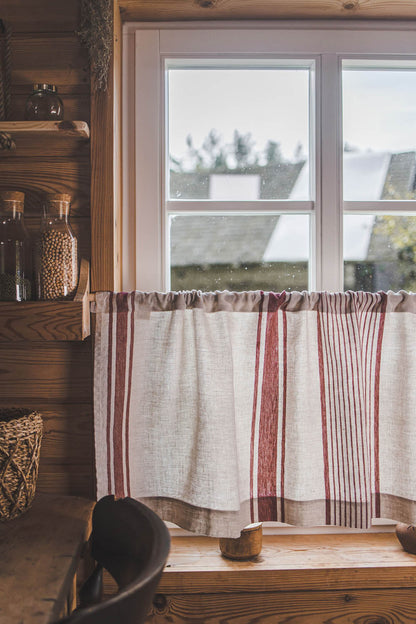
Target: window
269,156
239,135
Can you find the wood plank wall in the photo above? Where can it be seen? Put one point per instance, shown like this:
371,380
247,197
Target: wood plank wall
54,378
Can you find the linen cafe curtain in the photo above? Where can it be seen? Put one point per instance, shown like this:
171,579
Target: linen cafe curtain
222,409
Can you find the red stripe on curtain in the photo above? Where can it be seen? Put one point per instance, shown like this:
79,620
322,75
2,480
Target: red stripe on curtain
253,421
320,332
337,413
344,415
359,340
367,328
382,308
127,423
283,454
269,415
109,388
354,408
119,393
348,423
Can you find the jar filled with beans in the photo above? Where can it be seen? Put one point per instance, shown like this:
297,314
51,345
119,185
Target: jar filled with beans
16,274
56,252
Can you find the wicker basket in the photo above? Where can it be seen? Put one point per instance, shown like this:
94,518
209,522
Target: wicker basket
20,437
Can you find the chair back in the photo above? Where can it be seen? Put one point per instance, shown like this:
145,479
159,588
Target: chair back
130,541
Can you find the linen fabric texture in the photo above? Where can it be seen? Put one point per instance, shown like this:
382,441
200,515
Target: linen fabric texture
222,409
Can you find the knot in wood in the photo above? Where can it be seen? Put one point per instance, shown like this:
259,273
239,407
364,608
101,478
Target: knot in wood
160,604
350,5
206,4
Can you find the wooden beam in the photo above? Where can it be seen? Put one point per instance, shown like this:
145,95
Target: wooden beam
105,171
148,10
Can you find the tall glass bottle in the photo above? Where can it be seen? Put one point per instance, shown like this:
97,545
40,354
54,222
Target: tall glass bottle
56,252
16,274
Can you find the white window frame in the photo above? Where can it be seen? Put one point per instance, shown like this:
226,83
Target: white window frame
146,45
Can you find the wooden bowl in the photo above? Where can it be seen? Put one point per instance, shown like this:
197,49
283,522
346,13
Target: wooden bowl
406,534
245,547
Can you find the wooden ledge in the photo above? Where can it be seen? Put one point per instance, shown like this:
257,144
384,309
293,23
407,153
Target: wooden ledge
51,139
290,563
78,129
48,320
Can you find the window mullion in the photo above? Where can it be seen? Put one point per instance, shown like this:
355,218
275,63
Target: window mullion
399,206
149,246
330,231
261,206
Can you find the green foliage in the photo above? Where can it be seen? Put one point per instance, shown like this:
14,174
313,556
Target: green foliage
274,153
215,155
244,150
400,234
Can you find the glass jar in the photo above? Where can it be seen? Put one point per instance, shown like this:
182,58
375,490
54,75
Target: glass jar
44,104
56,252
16,275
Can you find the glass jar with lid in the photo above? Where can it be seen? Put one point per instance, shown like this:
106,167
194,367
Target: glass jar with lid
16,275
56,251
44,104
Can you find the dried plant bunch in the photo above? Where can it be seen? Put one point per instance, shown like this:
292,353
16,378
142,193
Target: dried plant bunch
96,33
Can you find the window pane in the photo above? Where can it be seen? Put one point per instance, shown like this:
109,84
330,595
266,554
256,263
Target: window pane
238,133
379,131
239,252
379,252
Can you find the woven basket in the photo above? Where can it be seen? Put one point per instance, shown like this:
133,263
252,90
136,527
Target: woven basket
20,437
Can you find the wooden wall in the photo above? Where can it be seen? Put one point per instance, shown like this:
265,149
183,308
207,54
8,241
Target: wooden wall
52,377
56,378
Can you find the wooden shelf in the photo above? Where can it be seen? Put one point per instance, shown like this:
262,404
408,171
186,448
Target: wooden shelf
17,132
48,320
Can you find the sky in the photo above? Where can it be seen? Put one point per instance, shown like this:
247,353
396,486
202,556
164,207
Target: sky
272,104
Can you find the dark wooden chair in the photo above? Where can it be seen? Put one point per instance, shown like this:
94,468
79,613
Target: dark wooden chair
132,543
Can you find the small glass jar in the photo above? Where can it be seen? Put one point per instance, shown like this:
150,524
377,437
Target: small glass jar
16,275
44,104
56,252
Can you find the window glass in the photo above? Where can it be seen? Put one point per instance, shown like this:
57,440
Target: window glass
379,130
380,252
238,132
239,252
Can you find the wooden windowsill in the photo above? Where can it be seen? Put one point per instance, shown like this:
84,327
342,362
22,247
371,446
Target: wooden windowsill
290,563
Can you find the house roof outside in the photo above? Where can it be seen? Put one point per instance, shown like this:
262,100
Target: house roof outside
233,239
